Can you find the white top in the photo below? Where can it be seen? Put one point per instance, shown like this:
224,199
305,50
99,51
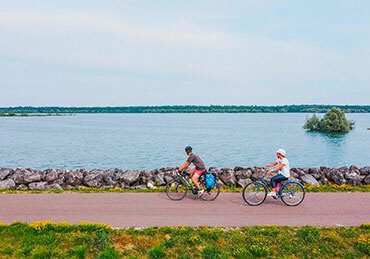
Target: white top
286,169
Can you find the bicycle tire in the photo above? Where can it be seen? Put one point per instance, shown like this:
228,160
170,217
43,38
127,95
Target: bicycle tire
285,199
175,183
249,186
207,195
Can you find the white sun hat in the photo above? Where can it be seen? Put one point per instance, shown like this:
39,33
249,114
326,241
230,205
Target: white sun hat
281,152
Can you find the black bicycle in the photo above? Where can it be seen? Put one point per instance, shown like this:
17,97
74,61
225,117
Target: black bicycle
291,192
177,188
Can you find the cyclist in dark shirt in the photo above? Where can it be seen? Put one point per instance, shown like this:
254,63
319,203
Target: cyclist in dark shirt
196,172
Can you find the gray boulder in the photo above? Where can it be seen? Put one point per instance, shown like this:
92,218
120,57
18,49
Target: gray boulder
367,180
243,182
214,170
117,175
26,176
354,169
309,179
131,176
167,178
315,172
94,179
7,184
22,187
365,170
38,186
335,176
294,173
145,176
150,184
343,170
242,173
74,178
5,172
227,177
353,178
54,186
301,172
257,173
159,181
51,175
108,180
138,187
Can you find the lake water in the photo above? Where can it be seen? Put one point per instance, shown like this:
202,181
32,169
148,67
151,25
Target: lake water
147,141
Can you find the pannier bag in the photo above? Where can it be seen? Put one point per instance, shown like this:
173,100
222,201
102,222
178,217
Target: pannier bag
210,181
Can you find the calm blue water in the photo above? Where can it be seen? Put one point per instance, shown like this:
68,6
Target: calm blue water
146,141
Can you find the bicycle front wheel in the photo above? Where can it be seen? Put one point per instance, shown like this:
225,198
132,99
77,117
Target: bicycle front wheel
176,190
254,193
293,194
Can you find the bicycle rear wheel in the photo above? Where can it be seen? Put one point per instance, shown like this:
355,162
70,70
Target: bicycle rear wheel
254,193
176,190
293,194
210,194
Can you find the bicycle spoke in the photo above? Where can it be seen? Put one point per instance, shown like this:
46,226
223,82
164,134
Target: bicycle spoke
254,193
293,194
175,190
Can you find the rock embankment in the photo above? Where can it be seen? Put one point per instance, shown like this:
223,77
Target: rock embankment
27,178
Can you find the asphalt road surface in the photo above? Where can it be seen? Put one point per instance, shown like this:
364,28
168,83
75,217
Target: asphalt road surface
155,209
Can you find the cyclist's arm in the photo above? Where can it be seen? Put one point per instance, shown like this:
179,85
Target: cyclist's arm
185,165
271,164
276,169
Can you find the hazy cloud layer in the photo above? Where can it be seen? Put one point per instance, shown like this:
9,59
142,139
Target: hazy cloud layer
194,52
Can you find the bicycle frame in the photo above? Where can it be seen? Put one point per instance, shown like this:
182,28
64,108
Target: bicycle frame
182,176
281,185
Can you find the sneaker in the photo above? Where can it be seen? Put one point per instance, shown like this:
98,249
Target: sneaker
271,194
200,193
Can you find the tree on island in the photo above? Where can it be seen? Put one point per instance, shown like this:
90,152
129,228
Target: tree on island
333,121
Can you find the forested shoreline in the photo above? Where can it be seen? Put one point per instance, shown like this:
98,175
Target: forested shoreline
187,109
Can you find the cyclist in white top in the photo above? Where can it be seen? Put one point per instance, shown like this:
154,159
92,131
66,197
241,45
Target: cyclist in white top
283,169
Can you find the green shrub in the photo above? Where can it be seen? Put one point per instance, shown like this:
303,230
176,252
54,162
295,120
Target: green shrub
43,254
211,252
108,253
7,250
157,252
79,251
363,245
241,252
333,121
309,234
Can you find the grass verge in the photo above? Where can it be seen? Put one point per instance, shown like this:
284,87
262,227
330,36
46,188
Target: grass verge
309,188
50,240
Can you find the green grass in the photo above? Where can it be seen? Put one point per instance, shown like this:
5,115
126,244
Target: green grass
322,188
48,240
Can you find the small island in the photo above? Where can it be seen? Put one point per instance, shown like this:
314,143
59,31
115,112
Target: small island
333,121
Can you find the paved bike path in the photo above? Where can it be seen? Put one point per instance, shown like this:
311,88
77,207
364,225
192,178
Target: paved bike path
155,209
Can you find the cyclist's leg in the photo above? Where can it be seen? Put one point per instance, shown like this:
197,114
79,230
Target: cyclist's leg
195,177
192,171
275,180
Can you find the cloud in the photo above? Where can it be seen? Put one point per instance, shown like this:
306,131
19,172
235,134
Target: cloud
165,57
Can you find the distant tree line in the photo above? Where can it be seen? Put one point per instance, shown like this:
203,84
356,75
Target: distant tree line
189,109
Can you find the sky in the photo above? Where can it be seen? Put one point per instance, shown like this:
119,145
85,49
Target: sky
120,53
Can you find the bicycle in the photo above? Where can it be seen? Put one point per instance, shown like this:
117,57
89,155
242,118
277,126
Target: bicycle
177,188
291,192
